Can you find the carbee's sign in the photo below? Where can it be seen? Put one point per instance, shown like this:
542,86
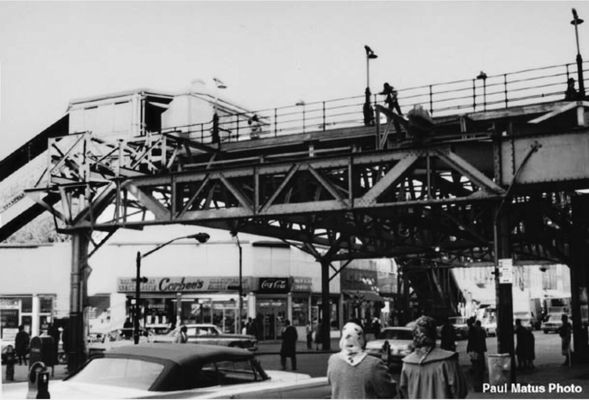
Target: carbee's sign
180,284
274,285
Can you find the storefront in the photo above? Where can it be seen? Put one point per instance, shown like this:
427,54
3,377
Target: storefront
30,311
272,298
361,297
168,301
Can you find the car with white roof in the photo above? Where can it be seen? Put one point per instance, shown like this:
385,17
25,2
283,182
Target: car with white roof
398,338
209,334
174,370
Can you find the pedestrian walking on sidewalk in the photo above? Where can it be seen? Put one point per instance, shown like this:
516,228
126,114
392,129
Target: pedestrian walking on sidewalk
525,346
565,336
182,336
353,374
10,361
21,344
428,372
317,333
288,347
309,332
476,349
448,336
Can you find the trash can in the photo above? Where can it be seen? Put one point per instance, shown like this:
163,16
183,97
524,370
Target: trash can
43,349
499,368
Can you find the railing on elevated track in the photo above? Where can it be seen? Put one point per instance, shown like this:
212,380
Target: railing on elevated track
523,87
494,92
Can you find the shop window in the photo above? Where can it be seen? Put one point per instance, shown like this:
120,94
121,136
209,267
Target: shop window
300,312
46,304
27,322
26,304
334,305
9,318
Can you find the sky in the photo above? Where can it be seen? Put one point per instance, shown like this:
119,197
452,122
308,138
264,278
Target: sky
269,54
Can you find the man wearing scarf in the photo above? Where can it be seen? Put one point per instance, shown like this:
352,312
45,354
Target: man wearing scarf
353,374
428,372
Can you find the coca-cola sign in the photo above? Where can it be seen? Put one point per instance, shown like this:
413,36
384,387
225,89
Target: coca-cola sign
274,285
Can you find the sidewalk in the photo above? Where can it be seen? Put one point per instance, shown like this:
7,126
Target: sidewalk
542,376
264,348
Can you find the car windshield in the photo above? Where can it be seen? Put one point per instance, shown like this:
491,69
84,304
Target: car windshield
123,372
458,321
396,334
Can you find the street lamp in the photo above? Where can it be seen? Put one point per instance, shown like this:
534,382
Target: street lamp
240,284
369,56
201,237
220,85
367,108
578,21
482,76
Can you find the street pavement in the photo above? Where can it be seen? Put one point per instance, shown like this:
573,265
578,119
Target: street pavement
548,368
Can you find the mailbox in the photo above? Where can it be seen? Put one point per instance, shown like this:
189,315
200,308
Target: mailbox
43,349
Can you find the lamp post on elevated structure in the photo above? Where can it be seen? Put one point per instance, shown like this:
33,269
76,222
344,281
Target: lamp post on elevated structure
576,22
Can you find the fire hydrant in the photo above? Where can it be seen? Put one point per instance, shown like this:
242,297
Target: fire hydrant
10,361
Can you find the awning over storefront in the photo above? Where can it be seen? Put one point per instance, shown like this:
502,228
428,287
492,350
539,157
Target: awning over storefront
366,295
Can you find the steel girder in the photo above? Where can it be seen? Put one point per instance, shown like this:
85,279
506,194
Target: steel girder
398,202
388,180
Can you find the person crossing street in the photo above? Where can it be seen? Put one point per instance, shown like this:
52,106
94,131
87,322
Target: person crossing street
288,349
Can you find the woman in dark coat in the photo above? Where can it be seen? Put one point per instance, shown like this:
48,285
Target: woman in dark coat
289,345
521,349
21,345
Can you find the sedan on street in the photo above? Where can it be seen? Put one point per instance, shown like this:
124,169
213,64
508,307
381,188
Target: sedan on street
399,339
116,338
460,326
173,370
552,323
209,334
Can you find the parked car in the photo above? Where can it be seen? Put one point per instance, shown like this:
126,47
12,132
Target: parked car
552,322
210,334
460,326
96,337
400,340
116,338
490,326
171,370
525,317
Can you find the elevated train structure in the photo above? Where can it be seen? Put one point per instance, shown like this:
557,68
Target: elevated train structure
498,174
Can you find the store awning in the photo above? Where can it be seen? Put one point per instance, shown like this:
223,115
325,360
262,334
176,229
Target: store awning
366,295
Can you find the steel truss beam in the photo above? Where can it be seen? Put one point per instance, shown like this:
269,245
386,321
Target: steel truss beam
337,184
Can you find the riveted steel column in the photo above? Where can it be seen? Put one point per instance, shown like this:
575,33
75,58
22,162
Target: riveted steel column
325,306
502,250
503,292
579,277
78,295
